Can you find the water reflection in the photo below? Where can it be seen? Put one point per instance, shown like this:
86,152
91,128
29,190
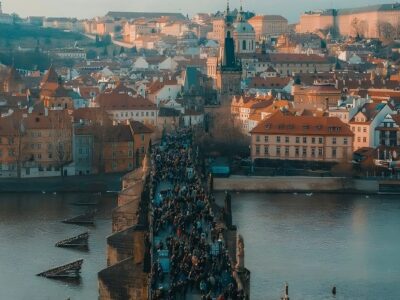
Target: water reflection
320,241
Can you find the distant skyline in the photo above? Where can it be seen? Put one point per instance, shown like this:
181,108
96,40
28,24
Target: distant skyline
291,9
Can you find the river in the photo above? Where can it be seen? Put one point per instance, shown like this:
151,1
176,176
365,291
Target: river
315,242
312,243
30,226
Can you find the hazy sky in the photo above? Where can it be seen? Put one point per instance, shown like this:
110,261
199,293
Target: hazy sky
290,9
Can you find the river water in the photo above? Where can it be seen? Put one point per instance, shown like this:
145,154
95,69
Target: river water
30,226
315,242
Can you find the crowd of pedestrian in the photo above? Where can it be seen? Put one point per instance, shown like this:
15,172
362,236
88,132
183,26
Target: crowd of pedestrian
185,227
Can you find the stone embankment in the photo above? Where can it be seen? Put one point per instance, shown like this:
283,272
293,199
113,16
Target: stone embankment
295,184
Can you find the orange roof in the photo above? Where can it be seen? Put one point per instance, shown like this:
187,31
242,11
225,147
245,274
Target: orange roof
139,128
283,124
117,101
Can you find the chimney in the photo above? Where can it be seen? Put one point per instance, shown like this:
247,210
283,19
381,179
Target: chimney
46,112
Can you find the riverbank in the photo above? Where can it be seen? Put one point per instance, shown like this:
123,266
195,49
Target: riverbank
71,184
299,184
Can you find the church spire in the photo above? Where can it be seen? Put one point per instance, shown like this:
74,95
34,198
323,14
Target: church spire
240,15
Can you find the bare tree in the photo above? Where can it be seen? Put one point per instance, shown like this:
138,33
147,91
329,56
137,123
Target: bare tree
223,137
386,31
61,138
358,27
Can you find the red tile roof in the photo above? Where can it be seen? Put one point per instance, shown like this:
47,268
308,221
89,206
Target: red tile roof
117,101
283,124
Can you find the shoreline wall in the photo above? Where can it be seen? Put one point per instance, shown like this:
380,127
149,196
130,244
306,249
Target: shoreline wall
295,184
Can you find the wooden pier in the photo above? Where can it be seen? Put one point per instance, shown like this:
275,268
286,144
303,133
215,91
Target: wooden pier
80,241
68,271
85,219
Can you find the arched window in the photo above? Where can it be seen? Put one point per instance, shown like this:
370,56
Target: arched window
244,45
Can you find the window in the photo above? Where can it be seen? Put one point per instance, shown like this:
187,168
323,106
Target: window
334,141
320,152
359,139
257,138
278,151
313,152
313,140
266,150
364,129
304,152
297,140
364,139
257,149
297,151
359,129
286,151
114,165
286,139
278,139
333,152
266,138
320,140
304,140
130,153
345,141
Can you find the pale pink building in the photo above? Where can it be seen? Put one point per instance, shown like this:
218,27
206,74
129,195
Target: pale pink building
372,21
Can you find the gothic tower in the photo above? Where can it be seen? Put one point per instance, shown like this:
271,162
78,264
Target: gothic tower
229,71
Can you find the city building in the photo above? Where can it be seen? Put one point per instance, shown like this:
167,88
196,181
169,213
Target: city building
285,63
287,137
388,131
125,146
122,107
45,142
373,21
267,26
69,53
13,83
244,35
319,96
366,121
10,140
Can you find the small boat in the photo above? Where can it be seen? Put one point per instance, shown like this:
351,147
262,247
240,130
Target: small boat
68,271
80,242
309,194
